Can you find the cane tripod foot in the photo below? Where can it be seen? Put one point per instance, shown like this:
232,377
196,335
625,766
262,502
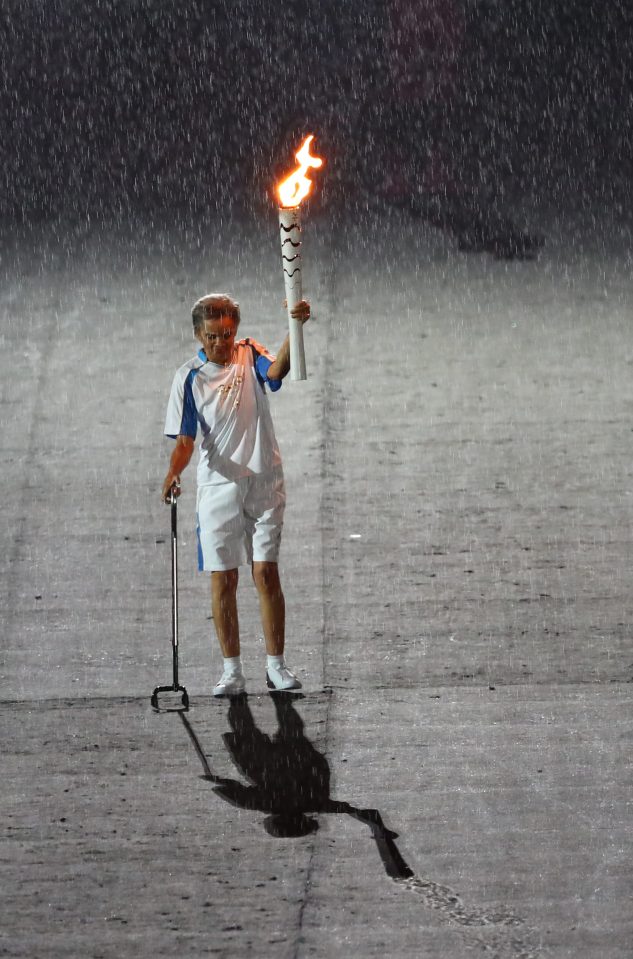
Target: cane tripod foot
168,703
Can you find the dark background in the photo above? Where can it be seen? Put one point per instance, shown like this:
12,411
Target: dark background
120,107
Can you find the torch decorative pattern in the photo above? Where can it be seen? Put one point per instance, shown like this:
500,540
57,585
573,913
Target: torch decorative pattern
290,236
291,192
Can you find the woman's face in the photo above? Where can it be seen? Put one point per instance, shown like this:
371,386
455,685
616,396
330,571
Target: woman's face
218,339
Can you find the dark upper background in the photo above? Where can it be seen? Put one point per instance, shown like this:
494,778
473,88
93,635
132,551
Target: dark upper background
118,107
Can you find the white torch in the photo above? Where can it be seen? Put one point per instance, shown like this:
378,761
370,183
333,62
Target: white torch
291,192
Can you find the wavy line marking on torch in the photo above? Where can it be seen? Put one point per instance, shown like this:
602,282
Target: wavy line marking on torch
291,192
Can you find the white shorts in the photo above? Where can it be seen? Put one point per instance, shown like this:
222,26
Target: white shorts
240,522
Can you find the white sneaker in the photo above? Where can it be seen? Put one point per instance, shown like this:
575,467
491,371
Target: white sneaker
230,684
280,677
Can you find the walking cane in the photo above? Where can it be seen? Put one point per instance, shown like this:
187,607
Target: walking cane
175,687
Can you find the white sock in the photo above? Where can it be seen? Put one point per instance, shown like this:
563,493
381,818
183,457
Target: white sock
233,665
274,662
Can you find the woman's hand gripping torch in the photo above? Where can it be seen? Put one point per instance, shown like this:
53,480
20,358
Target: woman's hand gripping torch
291,192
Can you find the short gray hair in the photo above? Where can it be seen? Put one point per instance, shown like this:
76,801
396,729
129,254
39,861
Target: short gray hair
213,306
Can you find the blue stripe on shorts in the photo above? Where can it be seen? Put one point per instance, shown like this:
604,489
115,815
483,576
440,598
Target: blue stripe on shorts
200,556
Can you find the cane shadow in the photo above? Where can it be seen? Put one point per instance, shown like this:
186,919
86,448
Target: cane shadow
288,779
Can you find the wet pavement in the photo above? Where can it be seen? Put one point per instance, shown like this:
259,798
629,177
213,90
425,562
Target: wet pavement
455,779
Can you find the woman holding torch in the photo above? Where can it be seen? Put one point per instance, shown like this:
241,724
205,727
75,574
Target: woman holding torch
241,496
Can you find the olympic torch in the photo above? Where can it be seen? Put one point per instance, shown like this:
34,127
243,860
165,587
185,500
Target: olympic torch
291,192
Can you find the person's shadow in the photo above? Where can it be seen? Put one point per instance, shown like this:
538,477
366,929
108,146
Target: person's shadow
289,779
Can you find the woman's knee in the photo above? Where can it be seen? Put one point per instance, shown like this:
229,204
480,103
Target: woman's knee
266,577
224,581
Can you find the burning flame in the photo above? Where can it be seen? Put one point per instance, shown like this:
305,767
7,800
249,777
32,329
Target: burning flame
296,187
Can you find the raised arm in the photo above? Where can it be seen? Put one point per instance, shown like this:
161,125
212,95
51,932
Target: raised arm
180,457
281,365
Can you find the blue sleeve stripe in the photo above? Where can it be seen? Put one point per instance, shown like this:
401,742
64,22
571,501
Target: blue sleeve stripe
189,422
262,365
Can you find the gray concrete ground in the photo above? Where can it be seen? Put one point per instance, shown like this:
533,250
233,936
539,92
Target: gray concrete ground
456,564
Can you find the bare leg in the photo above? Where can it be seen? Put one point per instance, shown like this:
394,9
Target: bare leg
272,606
224,607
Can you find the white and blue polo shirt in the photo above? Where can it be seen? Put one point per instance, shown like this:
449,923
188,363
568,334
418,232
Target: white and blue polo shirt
230,406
